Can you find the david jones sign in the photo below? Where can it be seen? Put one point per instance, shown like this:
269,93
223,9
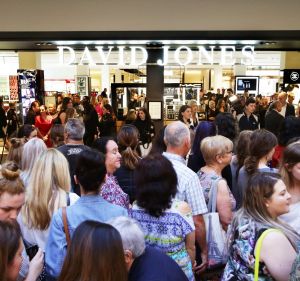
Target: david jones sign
183,56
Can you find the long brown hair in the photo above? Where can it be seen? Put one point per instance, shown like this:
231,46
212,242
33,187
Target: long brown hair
96,253
128,140
261,143
260,188
10,238
291,156
242,149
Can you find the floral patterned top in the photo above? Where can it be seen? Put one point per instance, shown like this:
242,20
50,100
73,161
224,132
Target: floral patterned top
206,180
295,272
241,260
168,233
113,193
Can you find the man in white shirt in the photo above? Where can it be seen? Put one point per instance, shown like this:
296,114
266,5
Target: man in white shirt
177,139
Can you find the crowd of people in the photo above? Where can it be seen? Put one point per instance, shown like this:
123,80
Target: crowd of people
81,201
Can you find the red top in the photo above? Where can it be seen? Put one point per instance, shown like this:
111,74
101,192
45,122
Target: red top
99,110
44,126
277,156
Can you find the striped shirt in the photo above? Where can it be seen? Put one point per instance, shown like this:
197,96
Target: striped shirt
188,187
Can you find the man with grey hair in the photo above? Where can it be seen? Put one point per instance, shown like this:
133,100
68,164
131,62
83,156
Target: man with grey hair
144,263
178,142
73,136
287,109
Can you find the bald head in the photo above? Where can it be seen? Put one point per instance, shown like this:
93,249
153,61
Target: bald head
176,134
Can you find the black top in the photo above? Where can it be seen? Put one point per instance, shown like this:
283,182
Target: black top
12,121
154,265
196,162
71,152
146,130
133,104
103,94
30,117
273,121
107,126
125,179
90,120
250,123
3,121
290,110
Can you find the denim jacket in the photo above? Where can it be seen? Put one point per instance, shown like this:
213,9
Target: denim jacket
88,207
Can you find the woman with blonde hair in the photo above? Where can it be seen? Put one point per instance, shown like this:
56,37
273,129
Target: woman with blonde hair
31,152
47,191
289,170
217,153
265,199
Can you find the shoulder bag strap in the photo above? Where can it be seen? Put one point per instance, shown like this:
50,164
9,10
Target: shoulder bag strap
212,202
258,249
66,228
68,198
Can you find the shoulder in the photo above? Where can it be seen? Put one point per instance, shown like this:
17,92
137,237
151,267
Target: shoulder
115,210
274,239
63,148
240,117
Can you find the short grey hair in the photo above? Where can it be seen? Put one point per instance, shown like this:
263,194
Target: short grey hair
176,133
192,103
75,129
131,234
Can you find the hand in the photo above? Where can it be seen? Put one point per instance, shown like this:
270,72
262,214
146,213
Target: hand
45,138
201,267
35,266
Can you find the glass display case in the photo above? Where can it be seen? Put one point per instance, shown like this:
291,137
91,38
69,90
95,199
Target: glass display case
176,95
127,96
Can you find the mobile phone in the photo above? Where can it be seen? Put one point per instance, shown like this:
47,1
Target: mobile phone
31,251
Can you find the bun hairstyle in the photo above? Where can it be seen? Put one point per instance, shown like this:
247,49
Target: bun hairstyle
10,179
10,171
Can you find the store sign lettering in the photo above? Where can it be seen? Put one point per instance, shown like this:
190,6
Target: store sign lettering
183,56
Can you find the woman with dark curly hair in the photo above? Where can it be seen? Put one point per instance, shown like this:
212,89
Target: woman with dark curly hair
185,115
158,212
61,117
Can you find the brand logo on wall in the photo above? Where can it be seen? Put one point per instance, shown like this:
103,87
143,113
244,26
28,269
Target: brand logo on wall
294,76
291,76
137,56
